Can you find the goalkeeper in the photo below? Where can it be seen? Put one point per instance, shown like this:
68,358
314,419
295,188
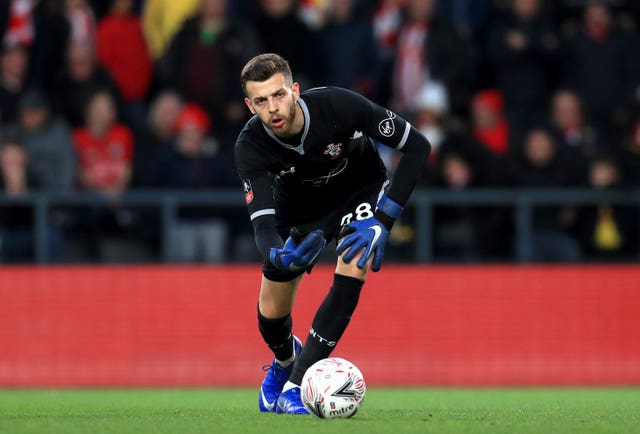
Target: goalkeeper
311,173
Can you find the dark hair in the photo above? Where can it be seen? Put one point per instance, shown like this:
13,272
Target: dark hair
604,157
264,66
33,99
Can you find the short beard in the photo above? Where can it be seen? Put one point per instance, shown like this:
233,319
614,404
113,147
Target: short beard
292,115
290,119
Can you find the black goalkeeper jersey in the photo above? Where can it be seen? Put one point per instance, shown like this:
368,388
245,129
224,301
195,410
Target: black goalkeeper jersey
334,158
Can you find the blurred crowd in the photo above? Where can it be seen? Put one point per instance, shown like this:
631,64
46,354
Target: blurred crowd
109,96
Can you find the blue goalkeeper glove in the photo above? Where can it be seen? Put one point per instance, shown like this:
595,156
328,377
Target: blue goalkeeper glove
298,252
369,234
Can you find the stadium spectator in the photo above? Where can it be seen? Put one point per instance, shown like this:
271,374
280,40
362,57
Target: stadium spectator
47,54
631,154
157,136
466,232
449,136
468,16
162,19
386,20
17,23
276,21
569,123
105,147
569,13
314,12
489,124
47,28
242,9
541,163
152,144
81,78
48,143
13,162
428,117
16,221
105,150
16,233
430,49
122,50
82,21
101,8
599,66
13,81
347,46
204,61
522,48
196,161
431,106
607,232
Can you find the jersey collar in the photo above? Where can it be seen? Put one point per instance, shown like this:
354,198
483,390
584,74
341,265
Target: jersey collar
307,120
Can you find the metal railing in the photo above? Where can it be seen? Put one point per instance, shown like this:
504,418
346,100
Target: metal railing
423,201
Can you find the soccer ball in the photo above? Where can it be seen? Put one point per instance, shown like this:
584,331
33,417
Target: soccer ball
333,388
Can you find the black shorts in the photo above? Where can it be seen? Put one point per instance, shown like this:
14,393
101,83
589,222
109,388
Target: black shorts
358,206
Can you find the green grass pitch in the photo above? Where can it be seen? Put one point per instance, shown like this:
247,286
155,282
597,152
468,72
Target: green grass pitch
395,411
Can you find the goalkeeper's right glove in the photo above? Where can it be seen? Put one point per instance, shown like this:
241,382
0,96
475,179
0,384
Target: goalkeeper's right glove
298,253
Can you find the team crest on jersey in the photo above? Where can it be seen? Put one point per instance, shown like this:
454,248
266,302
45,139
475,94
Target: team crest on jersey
386,126
248,190
334,150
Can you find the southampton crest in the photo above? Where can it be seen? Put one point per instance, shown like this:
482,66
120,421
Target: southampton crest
334,150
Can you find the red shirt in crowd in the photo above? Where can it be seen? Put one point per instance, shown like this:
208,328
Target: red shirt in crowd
496,136
122,50
105,161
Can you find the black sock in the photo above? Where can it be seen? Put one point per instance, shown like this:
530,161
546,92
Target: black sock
277,334
329,324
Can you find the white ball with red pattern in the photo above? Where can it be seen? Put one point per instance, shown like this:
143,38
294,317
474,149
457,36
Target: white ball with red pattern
333,388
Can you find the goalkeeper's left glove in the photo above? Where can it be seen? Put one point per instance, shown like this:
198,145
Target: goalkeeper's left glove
370,234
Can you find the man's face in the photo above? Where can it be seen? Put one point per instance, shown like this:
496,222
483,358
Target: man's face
603,174
526,9
81,61
190,139
122,7
101,112
274,101
539,148
597,17
13,63
566,110
420,10
33,118
277,8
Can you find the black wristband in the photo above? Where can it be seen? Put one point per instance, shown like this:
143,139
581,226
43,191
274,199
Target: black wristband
384,219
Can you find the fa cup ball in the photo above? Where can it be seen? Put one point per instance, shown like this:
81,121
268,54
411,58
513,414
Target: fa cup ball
333,388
